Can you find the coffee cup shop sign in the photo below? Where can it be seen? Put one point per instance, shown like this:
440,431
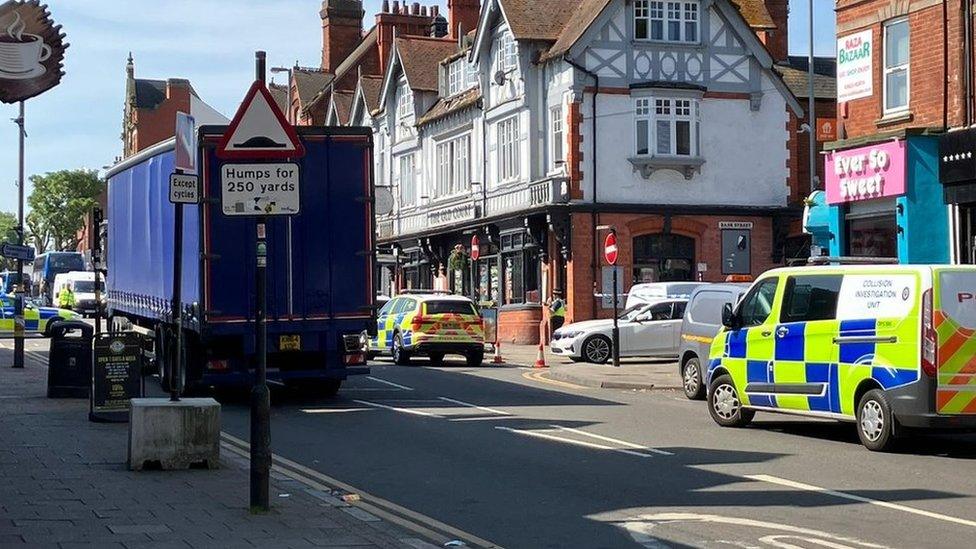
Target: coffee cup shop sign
31,50
875,171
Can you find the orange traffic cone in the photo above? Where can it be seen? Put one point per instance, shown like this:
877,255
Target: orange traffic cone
540,360
497,359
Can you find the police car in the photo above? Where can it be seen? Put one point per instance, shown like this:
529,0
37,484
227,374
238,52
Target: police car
37,319
885,347
432,324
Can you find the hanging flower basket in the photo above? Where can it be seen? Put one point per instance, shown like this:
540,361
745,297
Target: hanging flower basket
458,260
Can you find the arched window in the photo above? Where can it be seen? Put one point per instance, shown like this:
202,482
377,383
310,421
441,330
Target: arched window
663,258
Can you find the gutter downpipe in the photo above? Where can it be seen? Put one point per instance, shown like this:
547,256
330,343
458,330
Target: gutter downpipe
594,216
945,67
969,58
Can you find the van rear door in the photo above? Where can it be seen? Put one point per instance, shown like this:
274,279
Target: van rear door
954,323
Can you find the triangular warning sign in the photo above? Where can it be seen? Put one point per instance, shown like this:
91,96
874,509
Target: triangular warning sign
259,130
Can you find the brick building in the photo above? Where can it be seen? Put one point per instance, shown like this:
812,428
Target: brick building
902,81
525,128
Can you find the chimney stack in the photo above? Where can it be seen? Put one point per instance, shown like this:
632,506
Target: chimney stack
777,40
342,30
463,16
400,20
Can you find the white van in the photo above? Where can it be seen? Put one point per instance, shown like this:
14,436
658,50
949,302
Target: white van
82,284
656,291
887,347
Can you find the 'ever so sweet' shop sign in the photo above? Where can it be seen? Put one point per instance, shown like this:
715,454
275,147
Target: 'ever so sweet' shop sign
875,171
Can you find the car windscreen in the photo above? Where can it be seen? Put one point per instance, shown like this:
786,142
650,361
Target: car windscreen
444,307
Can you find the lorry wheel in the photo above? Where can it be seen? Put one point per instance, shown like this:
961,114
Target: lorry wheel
436,359
875,423
691,379
474,359
724,405
329,387
401,356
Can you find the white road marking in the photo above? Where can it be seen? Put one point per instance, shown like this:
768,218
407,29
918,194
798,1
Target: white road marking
585,444
613,440
641,528
862,499
469,405
390,383
332,410
397,409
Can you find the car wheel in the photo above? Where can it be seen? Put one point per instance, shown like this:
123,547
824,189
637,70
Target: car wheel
401,357
724,405
596,349
691,379
875,424
474,359
436,359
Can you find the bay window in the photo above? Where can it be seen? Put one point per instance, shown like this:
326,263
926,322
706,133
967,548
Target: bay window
557,137
667,126
408,186
896,59
667,20
509,151
453,166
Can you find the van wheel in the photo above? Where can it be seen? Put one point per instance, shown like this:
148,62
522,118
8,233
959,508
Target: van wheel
691,379
474,359
875,424
401,356
596,349
724,405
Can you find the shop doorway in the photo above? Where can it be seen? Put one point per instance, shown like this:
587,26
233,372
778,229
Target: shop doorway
663,258
966,241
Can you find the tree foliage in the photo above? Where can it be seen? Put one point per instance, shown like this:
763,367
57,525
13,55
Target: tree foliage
59,202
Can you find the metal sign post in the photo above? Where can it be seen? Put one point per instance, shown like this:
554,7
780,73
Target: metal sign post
610,254
259,132
96,248
19,293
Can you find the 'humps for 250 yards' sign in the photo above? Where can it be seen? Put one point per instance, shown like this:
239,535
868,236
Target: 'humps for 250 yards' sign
260,189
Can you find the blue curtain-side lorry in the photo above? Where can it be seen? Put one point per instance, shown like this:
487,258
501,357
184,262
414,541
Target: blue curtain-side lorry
319,267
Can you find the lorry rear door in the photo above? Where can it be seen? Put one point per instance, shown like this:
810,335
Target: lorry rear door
954,324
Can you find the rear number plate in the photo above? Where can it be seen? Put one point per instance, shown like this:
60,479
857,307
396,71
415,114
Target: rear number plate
290,343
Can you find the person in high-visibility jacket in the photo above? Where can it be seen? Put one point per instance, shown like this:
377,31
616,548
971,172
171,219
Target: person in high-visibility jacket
66,298
557,311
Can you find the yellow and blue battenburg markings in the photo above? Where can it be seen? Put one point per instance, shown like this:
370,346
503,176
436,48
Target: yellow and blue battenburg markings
446,327
817,374
35,319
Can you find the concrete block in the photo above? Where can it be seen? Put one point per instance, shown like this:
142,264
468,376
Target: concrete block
174,435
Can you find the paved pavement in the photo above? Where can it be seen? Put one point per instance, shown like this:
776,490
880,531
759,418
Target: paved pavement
63,483
524,461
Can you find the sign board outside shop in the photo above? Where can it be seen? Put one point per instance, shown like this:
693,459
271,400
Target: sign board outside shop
826,130
116,375
855,77
31,51
874,171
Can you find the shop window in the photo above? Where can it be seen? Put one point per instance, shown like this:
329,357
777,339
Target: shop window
872,236
488,281
521,267
663,258
416,272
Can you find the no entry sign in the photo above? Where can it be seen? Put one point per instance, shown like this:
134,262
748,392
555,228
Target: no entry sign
610,249
475,248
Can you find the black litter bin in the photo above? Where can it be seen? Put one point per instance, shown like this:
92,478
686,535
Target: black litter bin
70,360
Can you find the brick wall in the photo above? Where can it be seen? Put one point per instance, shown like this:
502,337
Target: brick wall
574,156
519,326
708,249
799,149
159,124
864,116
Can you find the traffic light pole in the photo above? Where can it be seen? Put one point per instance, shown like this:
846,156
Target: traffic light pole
260,395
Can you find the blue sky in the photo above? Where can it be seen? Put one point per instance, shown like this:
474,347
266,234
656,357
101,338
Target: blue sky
210,42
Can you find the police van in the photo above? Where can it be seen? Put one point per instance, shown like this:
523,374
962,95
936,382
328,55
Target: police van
888,347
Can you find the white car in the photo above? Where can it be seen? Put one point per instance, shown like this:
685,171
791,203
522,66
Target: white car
646,329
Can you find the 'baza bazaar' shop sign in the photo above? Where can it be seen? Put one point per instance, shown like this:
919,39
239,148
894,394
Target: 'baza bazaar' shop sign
874,171
854,74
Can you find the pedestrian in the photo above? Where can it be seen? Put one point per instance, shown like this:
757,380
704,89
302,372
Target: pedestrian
557,310
66,298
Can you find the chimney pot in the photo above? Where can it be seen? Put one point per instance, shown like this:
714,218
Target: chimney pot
416,8
434,10
396,6
386,6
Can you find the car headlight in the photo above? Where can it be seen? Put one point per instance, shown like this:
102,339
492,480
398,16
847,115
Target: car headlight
569,334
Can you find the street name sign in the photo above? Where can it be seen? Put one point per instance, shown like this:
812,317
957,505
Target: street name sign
13,251
260,189
184,189
259,131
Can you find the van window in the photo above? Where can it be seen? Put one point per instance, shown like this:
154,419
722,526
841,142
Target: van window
810,298
758,303
707,306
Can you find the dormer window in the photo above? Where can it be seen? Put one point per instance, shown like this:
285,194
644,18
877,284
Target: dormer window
455,77
507,53
404,101
666,21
